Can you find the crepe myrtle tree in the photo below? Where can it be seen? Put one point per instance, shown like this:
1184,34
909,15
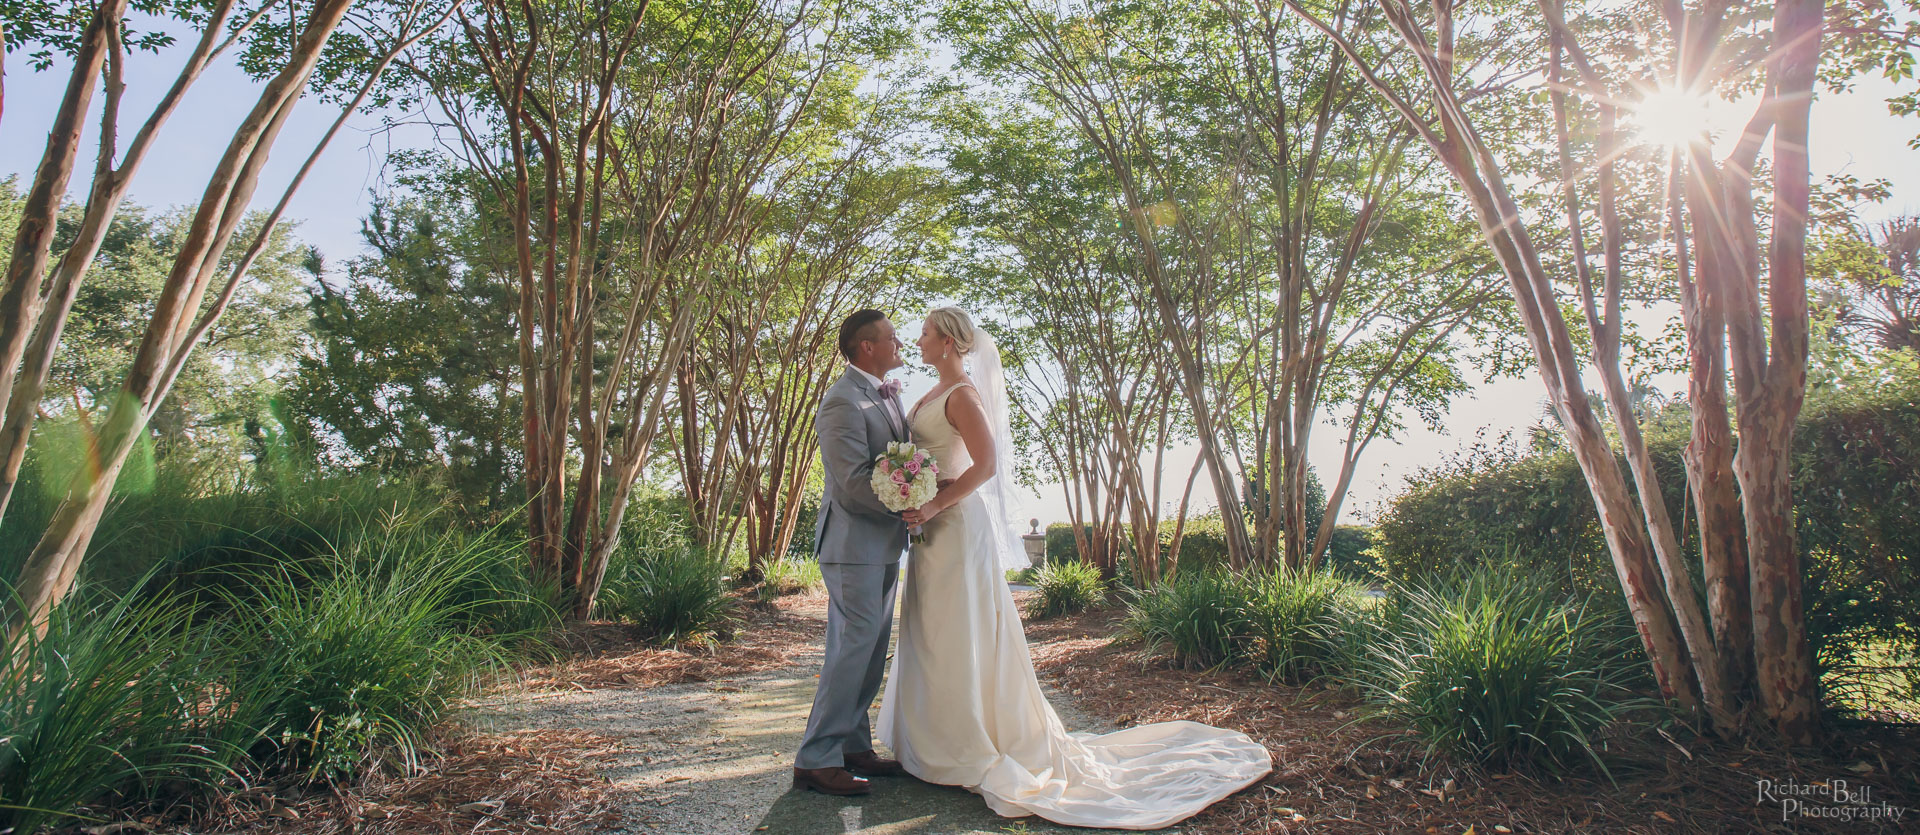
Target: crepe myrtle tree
1287,236
630,146
1044,245
1737,269
288,48
843,219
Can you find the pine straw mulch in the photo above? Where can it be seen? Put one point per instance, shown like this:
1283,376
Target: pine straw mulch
512,782
1337,771
601,655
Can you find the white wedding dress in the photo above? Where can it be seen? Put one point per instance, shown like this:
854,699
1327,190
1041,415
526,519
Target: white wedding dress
963,707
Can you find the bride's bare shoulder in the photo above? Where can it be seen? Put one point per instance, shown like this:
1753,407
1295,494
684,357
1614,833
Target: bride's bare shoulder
967,399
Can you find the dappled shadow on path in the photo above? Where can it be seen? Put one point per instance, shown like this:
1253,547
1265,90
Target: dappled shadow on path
716,757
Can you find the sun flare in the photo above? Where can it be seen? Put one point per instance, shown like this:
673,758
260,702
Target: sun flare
1670,117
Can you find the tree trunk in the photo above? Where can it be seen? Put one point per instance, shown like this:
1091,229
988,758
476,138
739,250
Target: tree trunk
1500,221
1709,456
26,268
50,569
20,394
1708,666
1632,558
1767,359
1770,406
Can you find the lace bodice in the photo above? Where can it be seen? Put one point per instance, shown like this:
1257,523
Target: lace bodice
935,434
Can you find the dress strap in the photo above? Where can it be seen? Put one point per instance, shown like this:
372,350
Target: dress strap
943,395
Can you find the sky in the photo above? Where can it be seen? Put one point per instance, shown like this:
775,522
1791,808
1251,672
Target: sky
1852,133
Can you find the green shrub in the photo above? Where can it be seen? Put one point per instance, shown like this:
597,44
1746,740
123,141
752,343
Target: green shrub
659,580
1063,588
1501,669
504,598
333,620
1060,547
674,596
1875,683
1296,621
1289,626
189,525
1856,474
1200,616
1347,552
790,575
313,660
1499,506
1360,630
1203,544
347,658
657,521
1856,485
111,702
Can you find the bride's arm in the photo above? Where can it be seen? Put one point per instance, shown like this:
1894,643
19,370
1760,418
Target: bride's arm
969,419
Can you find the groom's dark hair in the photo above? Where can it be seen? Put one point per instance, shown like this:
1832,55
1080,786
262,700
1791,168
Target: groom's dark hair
855,328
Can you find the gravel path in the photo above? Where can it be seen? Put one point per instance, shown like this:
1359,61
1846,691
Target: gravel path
714,758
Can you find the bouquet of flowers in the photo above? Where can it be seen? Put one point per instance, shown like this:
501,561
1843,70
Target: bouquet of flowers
905,477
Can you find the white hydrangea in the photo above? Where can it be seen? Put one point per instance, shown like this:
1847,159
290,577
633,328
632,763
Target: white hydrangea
905,477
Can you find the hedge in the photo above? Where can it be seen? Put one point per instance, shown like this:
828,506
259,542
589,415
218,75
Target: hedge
1857,497
1204,545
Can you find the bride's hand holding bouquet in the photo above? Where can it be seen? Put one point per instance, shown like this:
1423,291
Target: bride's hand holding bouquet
904,478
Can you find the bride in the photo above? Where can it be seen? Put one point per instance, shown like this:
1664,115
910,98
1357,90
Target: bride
962,705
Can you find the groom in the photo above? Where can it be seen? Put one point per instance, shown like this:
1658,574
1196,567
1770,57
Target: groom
859,543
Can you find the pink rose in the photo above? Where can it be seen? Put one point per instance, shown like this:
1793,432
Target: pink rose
905,491
913,467
899,477
886,466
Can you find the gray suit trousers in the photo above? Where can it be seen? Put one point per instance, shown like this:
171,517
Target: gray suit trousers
859,628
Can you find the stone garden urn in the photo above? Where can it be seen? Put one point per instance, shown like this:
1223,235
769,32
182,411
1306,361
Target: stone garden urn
1036,543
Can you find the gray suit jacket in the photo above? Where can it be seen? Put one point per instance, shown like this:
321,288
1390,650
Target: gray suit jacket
854,427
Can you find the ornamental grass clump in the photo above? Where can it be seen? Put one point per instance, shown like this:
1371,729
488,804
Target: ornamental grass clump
353,658
1063,588
1296,622
1498,669
675,595
1200,616
790,575
115,700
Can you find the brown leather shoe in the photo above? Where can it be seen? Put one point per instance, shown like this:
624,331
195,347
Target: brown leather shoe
873,765
836,781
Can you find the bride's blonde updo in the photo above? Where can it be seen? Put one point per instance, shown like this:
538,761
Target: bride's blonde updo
954,324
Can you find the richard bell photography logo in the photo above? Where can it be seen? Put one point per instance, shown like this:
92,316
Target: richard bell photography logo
1827,800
